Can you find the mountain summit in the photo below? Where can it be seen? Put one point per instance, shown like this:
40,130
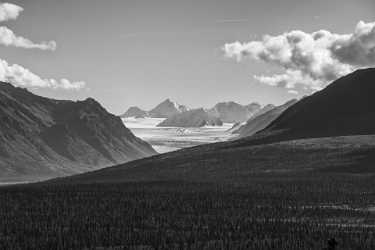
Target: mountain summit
41,137
167,109
135,112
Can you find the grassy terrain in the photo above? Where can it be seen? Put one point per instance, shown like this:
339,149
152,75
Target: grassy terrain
238,161
286,195
271,211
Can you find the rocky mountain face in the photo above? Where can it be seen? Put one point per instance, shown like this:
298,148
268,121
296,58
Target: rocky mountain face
191,118
261,121
41,137
167,109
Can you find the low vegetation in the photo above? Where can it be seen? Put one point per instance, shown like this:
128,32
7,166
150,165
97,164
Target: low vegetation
270,211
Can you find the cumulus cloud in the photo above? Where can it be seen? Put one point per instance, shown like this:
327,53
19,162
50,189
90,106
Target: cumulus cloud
9,11
8,38
20,76
310,60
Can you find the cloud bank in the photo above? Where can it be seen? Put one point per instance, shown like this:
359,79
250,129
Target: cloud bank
310,61
9,11
20,76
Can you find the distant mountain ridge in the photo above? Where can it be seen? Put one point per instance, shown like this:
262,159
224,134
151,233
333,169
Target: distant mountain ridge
191,118
228,112
165,109
42,137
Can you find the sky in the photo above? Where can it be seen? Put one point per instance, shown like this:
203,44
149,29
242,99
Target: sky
140,52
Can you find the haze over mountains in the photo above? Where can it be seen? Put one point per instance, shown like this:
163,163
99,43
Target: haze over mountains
232,112
333,131
42,138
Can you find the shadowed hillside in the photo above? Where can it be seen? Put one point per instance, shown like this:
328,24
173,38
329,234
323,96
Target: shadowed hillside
346,107
210,163
41,137
256,124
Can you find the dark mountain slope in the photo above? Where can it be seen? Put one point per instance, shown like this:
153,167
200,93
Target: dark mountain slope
345,107
265,109
256,124
41,137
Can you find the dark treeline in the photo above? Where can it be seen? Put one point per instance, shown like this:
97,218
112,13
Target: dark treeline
270,212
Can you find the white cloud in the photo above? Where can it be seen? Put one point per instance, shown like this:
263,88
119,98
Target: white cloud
9,11
8,38
290,79
20,76
310,60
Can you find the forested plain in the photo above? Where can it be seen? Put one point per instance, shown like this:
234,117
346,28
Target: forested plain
268,211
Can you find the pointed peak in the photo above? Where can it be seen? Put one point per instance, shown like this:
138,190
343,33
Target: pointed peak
168,100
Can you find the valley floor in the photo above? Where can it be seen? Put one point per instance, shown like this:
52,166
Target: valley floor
166,139
269,211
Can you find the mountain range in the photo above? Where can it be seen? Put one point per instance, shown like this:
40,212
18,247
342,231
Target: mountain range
165,109
43,138
332,130
223,112
191,118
